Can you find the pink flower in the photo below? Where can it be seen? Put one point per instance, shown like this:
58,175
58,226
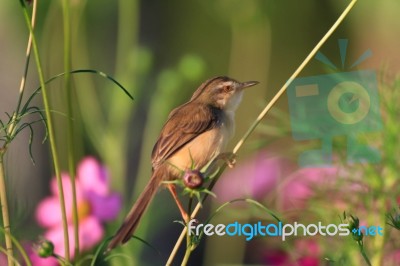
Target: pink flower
96,205
393,258
3,259
32,254
308,252
301,184
253,178
273,176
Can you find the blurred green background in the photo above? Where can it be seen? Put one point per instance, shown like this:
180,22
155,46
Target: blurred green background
161,51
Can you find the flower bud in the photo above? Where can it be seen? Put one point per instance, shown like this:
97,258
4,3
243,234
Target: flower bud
354,222
193,179
394,220
45,249
358,236
354,228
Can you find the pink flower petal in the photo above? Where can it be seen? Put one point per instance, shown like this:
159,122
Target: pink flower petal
268,172
299,186
48,212
93,176
230,185
307,247
316,174
66,181
3,259
392,258
276,258
56,236
90,232
36,260
308,261
255,178
105,208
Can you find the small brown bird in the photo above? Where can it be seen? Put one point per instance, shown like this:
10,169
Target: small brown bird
194,134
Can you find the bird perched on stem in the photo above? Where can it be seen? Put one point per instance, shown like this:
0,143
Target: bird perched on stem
194,134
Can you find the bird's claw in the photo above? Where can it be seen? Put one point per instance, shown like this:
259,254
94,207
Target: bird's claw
229,158
231,162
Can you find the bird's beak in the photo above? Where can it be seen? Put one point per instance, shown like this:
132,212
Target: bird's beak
248,84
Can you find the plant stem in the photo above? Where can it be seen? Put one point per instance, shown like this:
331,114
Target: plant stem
265,111
192,215
362,251
11,130
379,241
50,132
189,248
188,251
27,56
14,120
4,211
18,246
190,204
70,115
176,247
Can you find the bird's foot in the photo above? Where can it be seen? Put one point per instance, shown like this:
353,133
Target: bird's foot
228,157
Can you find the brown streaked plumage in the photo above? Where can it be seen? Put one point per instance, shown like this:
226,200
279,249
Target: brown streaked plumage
194,133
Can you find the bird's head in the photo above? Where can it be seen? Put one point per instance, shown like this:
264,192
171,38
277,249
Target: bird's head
222,92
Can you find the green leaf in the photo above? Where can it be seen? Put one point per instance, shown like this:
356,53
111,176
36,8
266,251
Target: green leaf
79,71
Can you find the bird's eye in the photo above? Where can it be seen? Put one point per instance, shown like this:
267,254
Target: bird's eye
227,88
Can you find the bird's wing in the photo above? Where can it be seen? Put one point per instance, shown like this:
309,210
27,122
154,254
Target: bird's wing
178,131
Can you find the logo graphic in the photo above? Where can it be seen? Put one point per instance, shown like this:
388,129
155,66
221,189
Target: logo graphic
368,231
281,230
337,104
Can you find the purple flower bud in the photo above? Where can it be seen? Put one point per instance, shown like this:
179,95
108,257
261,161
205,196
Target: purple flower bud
193,179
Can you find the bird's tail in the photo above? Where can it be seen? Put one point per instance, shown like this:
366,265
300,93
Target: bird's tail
132,220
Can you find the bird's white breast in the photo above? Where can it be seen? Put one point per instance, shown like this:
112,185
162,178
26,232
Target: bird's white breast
198,152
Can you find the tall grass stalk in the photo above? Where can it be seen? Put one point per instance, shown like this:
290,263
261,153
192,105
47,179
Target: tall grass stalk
50,128
4,211
70,116
11,130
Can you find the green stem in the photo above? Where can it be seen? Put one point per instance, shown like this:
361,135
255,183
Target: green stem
11,131
27,56
4,211
188,251
19,248
190,205
14,120
362,251
50,128
70,115
378,241
192,215
62,261
189,248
